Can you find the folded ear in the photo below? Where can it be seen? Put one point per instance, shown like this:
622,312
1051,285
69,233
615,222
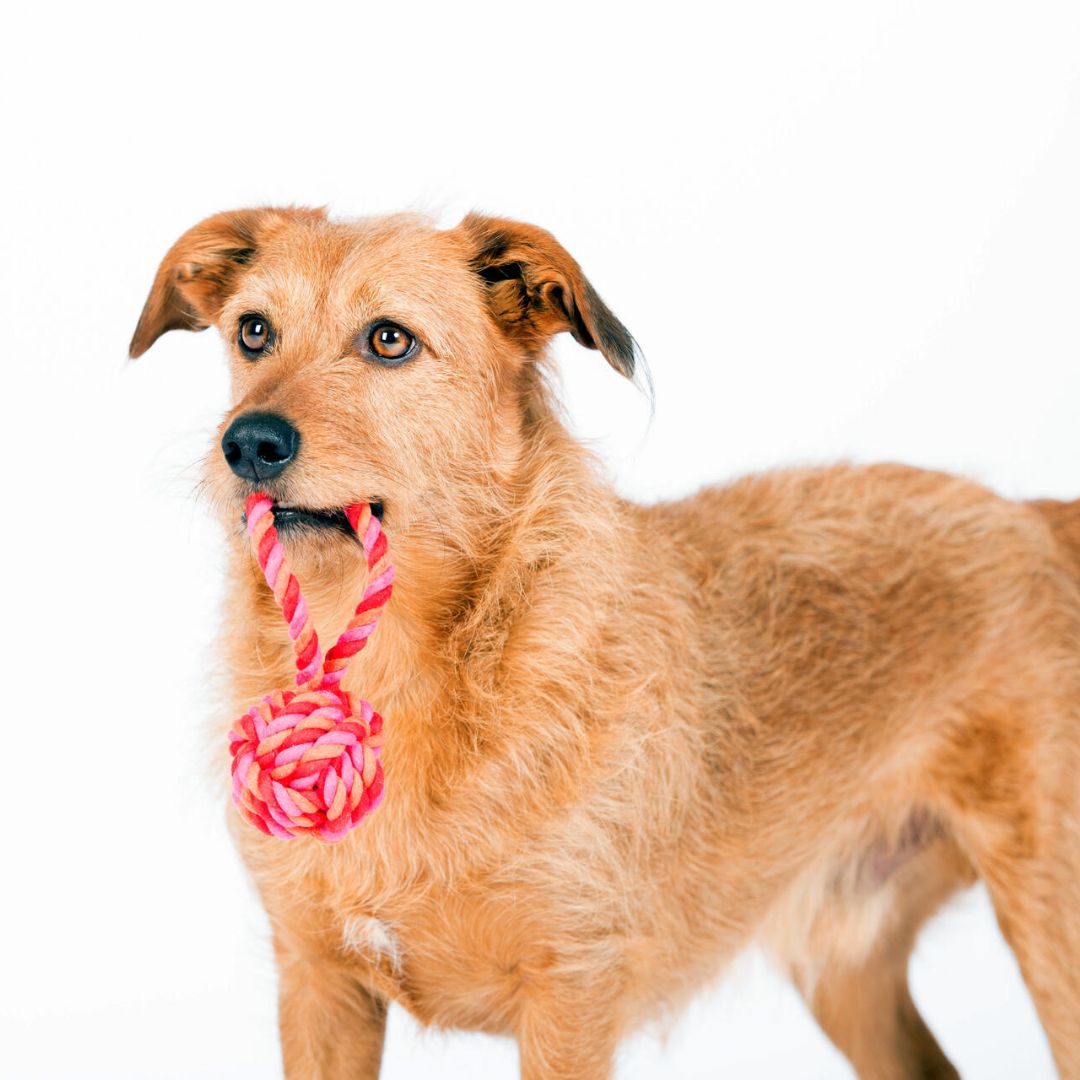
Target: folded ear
535,289
201,270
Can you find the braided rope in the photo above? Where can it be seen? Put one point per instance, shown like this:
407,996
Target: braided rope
305,762
283,584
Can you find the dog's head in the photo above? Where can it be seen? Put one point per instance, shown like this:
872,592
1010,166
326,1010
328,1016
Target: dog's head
381,360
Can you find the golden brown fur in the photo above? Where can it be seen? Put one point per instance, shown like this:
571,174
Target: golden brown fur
623,741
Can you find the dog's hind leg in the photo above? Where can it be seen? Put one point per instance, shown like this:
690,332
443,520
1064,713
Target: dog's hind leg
855,974
1024,839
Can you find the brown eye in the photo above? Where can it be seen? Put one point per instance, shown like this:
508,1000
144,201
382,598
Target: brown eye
390,343
254,335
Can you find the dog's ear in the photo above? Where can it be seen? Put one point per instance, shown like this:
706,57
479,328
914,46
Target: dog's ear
535,289
201,270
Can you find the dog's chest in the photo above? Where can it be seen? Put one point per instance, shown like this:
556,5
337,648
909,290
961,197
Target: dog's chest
450,956
375,940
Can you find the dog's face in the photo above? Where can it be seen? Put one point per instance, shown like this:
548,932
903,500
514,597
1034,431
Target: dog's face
381,360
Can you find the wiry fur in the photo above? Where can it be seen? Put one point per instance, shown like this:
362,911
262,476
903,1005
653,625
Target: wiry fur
622,741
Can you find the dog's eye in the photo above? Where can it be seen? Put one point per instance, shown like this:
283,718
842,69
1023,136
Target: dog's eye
391,343
254,335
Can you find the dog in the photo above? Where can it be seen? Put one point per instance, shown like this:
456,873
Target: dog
621,741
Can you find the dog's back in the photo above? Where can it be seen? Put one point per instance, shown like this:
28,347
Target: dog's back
1064,521
905,645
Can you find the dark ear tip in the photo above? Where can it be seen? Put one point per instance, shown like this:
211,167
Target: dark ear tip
610,336
633,366
139,343
146,333
628,363
144,339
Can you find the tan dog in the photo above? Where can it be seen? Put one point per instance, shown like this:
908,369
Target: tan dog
621,741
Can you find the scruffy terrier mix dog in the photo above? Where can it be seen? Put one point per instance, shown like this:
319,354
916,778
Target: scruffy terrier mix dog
621,741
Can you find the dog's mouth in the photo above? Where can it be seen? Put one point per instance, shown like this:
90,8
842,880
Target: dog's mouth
297,518
292,518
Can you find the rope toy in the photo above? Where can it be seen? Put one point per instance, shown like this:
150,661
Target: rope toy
305,762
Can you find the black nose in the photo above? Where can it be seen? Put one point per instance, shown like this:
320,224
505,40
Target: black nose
259,445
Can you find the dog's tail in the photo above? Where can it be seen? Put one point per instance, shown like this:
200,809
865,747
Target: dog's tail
1064,521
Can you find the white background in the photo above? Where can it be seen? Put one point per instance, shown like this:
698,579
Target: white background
837,230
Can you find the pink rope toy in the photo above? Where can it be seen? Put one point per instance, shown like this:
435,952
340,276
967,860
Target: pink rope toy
306,762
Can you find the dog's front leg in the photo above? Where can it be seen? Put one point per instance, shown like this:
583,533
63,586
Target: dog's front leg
566,1031
332,1027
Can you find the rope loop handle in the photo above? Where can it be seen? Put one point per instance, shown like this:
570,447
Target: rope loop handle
306,761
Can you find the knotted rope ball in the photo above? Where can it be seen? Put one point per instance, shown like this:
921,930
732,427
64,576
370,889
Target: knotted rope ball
305,762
